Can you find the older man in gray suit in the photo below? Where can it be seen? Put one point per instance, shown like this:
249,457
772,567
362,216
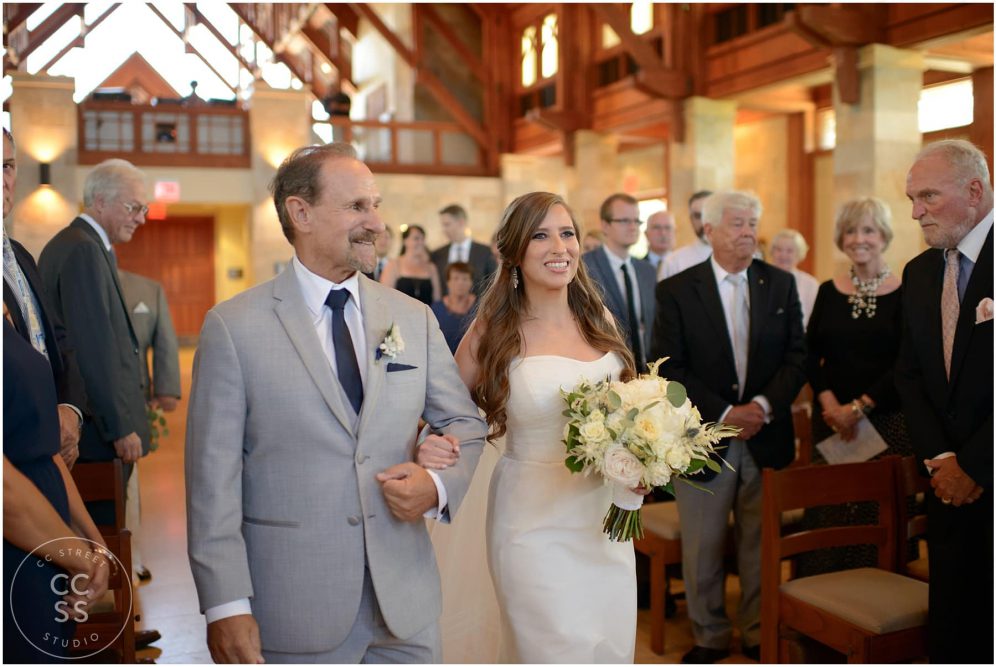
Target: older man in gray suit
302,494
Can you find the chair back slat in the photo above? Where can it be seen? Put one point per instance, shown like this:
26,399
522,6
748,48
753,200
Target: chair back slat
102,481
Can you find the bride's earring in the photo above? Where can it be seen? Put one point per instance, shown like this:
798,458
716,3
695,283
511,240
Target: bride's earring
515,278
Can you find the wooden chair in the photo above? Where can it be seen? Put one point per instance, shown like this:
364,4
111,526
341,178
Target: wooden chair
112,622
803,434
868,614
912,525
661,543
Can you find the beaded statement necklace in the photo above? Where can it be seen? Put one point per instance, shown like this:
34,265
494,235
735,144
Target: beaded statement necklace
864,298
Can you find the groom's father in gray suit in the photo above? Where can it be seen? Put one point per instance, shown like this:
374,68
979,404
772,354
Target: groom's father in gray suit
305,527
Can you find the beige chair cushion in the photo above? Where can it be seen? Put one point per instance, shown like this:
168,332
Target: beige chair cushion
661,519
919,569
875,600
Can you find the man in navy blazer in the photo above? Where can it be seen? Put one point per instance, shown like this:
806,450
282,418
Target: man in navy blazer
731,328
612,267
52,335
947,390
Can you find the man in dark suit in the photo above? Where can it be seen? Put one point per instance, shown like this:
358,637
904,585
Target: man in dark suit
79,270
732,329
34,319
945,377
627,283
461,248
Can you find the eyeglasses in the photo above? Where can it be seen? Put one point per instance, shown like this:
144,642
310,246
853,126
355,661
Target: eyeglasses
626,221
135,209
696,215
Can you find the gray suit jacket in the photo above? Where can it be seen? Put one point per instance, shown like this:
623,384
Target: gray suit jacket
646,280
80,279
282,502
153,326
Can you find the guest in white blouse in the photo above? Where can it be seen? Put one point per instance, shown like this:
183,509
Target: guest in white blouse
788,249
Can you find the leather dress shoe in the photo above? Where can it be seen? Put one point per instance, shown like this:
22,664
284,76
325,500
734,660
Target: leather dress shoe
145,637
143,574
752,652
702,655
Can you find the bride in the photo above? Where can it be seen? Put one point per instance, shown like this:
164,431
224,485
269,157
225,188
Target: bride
565,592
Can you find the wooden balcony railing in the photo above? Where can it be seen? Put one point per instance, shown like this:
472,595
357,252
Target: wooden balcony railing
165,135
414,147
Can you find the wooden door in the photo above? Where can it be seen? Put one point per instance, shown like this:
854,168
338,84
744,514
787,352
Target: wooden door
178,252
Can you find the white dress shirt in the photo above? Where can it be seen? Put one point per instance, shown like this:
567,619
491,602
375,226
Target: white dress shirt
658,262
685,257
617,263
100,230
460,252
726,294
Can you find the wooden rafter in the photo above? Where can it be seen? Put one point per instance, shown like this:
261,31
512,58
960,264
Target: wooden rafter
191,48
80,40
829,26
16,14
426,78
444,29
203,20
653,78
346,16
329,48
49,27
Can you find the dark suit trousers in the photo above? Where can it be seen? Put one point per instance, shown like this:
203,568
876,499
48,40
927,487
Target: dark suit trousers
960,627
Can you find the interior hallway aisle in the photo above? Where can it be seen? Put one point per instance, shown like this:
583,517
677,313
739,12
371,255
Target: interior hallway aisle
168,602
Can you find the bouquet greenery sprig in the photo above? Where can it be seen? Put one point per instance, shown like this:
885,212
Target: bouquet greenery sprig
644,432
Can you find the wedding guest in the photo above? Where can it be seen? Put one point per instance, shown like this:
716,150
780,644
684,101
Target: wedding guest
660,240
456,310
699,249
945,377
788,249
462,248
382,245
40,504
593,239
853,341
541,326
413,272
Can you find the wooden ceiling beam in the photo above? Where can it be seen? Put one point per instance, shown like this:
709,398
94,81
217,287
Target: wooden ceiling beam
653,78
320,42
16,14
426,78
191,48
444,29
49,27
80,41
829,26
346,15
203,20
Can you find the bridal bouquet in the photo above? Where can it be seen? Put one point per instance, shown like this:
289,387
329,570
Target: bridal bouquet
644,432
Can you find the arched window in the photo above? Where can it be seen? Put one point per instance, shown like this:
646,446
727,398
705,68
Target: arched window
550,55
529,56
641,17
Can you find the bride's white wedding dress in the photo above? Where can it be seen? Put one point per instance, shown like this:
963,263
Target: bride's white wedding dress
565,592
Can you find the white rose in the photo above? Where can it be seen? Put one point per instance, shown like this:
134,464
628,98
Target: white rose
678,458
596,416
646,428
593,431
658,473
622,466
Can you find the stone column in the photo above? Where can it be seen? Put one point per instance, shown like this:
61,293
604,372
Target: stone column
877,139
43,122
280,122
704,160
597,175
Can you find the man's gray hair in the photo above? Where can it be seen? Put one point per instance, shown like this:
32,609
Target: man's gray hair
107,178
965,157
716,203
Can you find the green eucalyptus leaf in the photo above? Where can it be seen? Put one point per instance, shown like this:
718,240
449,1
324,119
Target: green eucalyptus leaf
676,393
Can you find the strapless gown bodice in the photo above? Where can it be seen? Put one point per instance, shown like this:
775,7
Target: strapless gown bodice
567,594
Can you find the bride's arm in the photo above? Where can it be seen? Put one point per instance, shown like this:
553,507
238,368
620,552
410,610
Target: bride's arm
438,453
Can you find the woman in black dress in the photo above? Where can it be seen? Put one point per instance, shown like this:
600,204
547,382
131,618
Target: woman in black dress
40,503
413,272
853,339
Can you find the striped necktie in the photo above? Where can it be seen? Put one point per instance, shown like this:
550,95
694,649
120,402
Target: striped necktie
25,299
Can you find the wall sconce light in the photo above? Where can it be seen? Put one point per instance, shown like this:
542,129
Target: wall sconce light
45,174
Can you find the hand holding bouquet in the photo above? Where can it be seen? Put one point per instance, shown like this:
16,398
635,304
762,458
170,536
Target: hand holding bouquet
644,432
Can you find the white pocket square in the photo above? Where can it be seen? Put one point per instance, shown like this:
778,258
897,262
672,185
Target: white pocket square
142,309
984,311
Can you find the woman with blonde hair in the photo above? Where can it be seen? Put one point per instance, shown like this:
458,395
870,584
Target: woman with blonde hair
853,339
566,592
788,249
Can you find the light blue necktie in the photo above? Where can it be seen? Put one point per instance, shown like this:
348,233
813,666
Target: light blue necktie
740,317
25,299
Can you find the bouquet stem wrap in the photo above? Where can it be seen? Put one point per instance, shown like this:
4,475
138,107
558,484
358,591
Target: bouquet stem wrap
622,522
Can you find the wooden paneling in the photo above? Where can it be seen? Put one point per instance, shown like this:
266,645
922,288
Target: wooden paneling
982,122
178,252
913,23
533,138
621,107
800,185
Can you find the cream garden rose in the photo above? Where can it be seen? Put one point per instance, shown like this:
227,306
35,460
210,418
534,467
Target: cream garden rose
622,466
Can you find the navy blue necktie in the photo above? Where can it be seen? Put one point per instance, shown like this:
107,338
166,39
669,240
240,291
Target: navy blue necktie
345,357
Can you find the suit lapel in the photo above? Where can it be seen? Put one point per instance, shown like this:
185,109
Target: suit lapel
759,287
376,321
295,317
708,291
608,283
20,326
79,223
979,286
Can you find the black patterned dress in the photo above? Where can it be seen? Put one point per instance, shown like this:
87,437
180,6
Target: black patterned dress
850,357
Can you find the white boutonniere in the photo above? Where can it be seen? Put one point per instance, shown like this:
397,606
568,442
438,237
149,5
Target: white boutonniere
984,311
392,345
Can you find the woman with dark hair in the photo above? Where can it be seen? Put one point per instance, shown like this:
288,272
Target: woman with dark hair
413,272
455,311
566,592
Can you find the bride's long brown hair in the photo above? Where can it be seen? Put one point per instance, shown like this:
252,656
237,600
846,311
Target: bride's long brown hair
499,316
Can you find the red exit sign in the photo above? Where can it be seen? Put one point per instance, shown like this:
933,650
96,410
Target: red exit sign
167,191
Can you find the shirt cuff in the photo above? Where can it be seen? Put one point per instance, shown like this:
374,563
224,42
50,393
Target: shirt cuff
76,410
438,513
722,417
942,455
234,608
765,405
